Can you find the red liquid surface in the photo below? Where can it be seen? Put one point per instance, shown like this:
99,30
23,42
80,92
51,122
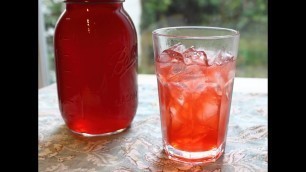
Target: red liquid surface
96,67
195,99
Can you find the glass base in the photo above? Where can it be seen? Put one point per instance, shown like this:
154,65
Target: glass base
99,135
194,157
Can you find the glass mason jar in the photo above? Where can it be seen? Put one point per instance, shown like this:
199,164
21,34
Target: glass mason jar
95,47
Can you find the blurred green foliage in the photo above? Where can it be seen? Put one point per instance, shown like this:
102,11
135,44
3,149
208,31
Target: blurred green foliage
249,17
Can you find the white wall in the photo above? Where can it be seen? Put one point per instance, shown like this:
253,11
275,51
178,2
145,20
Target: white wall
133,8
43,68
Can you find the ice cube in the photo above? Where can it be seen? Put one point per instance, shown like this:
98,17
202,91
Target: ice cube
177,68
193,71
189,52
218,78
222,57
187,55
179,47
164,66
164,57
218,59
195,84
170,56
227,56
200,58
192,56
187,61
177,91
210,104
177,100
210,109
210,57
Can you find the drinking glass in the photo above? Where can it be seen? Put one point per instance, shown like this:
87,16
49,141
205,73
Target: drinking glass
195,68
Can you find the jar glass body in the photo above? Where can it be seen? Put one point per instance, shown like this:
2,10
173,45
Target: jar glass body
95,47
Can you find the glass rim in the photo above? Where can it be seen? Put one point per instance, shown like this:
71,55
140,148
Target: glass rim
232,33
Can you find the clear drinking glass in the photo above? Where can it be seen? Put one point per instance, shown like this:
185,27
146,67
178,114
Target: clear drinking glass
195,68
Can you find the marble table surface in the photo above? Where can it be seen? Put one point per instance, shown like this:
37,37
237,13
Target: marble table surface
140,147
